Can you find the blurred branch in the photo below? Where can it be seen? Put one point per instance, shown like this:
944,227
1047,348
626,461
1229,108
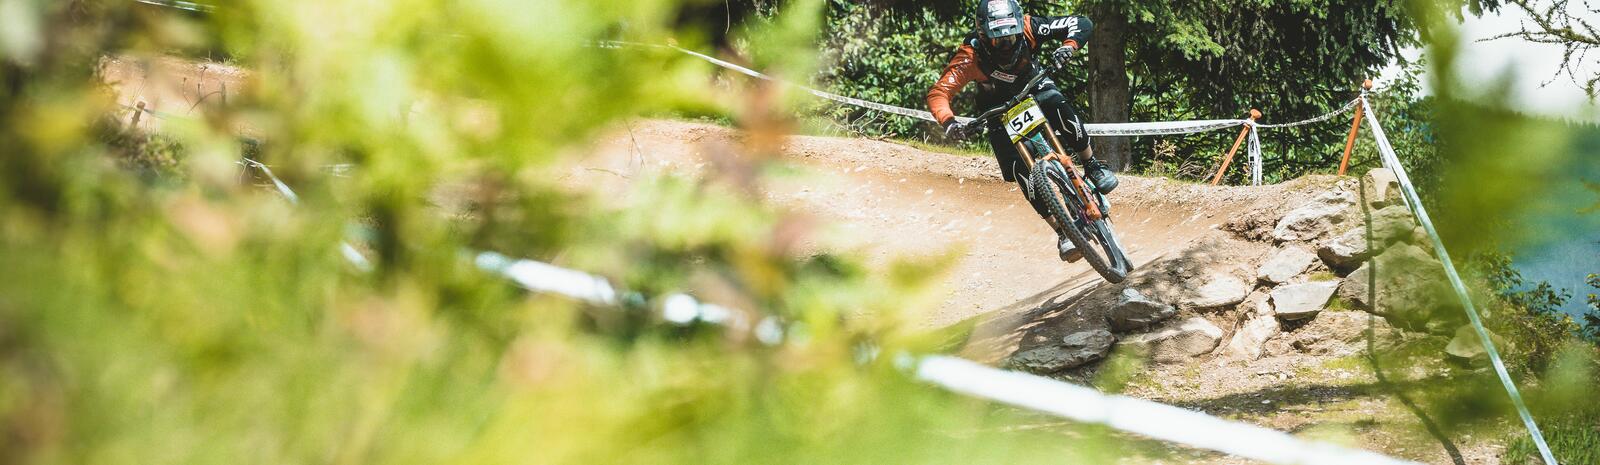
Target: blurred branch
1553,22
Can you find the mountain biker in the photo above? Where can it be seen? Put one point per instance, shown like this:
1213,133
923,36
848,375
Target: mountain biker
999,56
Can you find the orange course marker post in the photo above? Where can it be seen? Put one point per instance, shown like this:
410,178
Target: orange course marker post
1355,127
1228,159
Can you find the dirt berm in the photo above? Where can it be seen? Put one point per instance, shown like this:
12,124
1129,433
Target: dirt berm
1231,309
889,199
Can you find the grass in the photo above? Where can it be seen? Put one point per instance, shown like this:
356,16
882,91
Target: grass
1323,275
966,150
1574,440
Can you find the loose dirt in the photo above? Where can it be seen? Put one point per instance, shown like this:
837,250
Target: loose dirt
891,200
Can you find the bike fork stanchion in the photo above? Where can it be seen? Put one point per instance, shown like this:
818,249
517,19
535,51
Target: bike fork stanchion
1355,128
1071,172
1227,160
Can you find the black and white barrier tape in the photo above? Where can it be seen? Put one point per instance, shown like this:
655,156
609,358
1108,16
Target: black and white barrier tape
1154,128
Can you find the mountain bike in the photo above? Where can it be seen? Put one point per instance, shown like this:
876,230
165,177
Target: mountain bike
1071,198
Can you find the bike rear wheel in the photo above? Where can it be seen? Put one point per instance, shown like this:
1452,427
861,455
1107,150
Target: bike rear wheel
1095,239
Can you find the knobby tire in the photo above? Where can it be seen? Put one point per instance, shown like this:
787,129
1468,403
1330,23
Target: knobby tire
1110,262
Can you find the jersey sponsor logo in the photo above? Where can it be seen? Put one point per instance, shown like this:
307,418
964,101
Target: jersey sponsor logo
1004,76
1068,23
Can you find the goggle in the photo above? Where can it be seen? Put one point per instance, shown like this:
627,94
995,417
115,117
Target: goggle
1004,43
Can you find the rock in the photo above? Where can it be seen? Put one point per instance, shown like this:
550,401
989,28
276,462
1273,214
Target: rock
1301,301
1284,264
1346,252
1354,289
1178,341
1339,333
1257,304
1420,237
1250,340
1412,291
1383,188
1467,348
1391,223
1134,311
1315,219
1075,350
1215,289
1255,225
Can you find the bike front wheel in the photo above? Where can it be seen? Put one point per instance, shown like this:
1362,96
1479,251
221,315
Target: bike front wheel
1095,239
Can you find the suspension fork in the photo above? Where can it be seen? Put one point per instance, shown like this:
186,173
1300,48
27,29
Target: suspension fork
1092,210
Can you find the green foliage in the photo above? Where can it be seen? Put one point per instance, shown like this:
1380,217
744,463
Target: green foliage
1527,314
875,55
1568,416
198,319
155,309
1512,289
1293,60
157,156
1571,439
1591,320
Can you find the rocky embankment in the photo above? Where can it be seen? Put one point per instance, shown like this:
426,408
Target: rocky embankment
1300,282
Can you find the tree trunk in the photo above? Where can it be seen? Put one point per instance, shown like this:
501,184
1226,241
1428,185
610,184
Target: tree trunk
1109,100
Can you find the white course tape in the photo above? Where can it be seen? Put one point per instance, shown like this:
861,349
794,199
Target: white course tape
282,188
350,253
1045,395
1324,117
907,112
1154,128
1152,419
1392,161
179,4
1041,394
1160,128
544,277
1094,129
1255,156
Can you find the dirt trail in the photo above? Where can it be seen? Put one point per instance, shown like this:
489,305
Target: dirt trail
893,200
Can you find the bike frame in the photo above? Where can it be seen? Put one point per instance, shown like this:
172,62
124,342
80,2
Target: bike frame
1085,221
1081,190
1091,208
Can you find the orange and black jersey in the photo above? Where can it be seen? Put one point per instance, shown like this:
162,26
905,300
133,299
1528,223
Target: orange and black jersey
969,63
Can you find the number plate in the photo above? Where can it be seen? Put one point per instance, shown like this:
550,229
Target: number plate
1021,119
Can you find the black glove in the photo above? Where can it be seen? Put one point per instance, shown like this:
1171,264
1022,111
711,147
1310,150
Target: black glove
1061,55
956,130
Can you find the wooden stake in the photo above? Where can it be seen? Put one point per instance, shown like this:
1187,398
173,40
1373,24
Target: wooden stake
138,111
1228,159
1355,127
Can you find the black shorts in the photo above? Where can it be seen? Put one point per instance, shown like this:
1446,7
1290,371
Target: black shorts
1063,119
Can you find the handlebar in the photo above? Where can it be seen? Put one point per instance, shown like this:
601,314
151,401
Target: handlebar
1049,67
